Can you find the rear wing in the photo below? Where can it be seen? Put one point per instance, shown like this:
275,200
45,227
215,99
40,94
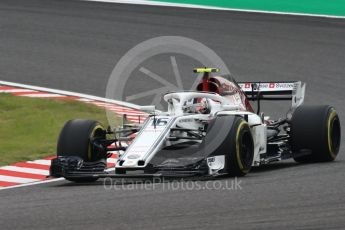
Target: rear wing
289,90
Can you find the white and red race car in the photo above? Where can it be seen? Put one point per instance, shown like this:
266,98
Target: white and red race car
208,132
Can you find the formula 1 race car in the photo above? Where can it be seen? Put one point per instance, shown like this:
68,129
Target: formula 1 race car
212,131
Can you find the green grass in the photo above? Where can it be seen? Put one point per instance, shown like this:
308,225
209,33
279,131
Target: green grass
29,127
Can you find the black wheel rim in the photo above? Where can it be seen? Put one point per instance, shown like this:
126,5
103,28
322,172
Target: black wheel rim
246,149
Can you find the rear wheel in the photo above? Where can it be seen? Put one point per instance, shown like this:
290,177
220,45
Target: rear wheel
76,140
315,129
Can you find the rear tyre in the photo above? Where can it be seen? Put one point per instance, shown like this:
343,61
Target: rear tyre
241,148
315,129
75,140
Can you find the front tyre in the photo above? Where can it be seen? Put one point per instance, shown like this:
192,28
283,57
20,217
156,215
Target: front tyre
316,129
241,154
76,139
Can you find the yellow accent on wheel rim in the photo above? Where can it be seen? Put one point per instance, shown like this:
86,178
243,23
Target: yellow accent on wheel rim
89,154
238,157
330,147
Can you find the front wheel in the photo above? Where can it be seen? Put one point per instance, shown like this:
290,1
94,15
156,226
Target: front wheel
241,148
231,136
76,139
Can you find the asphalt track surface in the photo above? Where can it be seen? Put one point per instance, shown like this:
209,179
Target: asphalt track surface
75,45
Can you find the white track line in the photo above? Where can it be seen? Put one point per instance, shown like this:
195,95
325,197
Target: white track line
17,91
84,100
16,179
68,93
31,184
154,3
40,162
41,95
26,170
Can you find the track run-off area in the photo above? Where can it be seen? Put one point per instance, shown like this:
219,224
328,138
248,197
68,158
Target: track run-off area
35,171
74,46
